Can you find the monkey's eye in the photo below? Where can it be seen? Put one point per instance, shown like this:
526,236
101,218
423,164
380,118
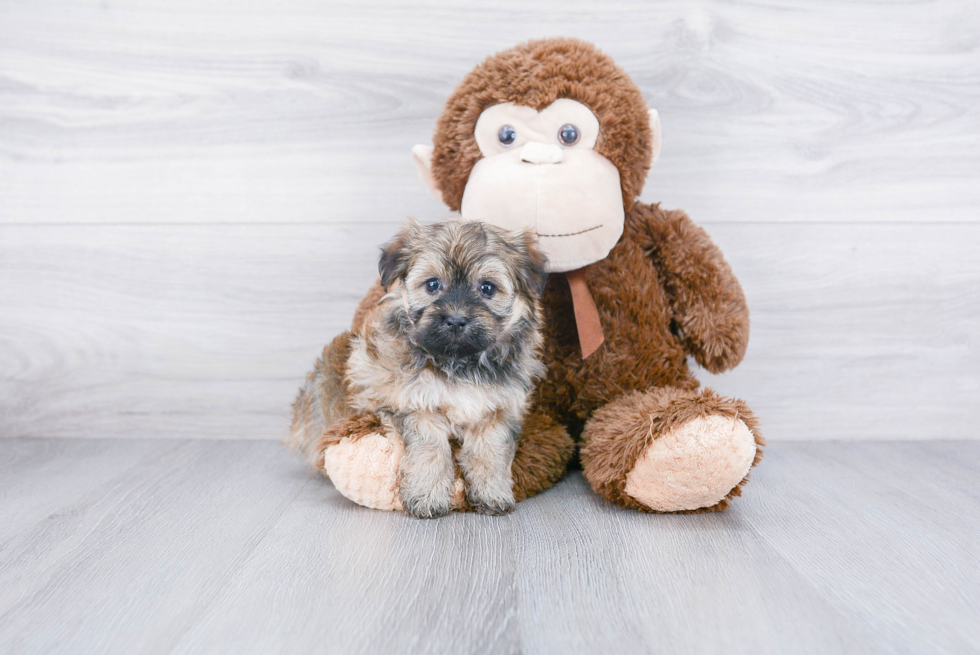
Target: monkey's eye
507,135
432,285
488,289
568,134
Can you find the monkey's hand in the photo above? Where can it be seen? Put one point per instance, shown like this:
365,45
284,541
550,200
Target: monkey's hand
709,309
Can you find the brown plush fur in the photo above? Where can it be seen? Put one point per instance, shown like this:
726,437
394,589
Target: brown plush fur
542,455
352,427
664,292
536,74
369,302
620,432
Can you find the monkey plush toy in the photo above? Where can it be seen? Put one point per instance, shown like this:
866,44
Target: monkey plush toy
552,135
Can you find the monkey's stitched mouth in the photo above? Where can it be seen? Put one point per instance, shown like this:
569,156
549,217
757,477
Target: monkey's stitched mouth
571,234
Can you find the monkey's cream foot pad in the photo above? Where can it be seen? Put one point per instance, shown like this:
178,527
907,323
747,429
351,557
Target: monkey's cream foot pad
695,465
365,469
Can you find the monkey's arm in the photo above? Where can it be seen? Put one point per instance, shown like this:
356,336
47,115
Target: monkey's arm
368,302
707,302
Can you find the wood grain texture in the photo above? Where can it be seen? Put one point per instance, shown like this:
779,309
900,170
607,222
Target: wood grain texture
191,197
304,111
916,518
204,546
168,331
37,475
858,332
160,331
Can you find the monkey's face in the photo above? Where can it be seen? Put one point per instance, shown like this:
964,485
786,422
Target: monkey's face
549,135
540,171
464,286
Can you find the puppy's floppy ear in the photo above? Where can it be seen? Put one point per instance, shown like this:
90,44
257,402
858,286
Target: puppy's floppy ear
533,274
396,255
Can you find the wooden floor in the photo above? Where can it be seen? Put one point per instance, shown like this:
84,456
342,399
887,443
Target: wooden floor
130,546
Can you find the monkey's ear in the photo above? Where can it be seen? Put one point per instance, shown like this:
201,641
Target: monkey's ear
422,158
395,257
655,129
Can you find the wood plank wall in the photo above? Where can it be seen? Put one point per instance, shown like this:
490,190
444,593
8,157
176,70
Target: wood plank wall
192,195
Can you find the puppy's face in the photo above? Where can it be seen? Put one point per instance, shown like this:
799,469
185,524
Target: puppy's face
464,286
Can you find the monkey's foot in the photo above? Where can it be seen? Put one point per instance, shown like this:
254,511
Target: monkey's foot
361,456
364,468
670,450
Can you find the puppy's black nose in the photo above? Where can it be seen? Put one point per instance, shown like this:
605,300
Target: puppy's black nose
455,322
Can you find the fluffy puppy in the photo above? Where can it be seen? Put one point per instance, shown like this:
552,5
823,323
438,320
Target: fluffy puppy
451,354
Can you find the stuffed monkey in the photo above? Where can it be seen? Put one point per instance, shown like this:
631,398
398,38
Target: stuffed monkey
554,136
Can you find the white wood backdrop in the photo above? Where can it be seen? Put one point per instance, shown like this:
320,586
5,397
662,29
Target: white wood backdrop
192,195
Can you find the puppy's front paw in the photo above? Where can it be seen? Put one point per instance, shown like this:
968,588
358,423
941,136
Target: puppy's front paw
427,506
494,506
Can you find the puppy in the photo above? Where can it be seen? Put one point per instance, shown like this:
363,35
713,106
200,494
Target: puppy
451,354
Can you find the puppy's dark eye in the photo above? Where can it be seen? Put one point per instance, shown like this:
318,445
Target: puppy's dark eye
488,289
432,285
568,134
507,135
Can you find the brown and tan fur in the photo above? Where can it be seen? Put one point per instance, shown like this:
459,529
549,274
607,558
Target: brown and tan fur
664,292
411,367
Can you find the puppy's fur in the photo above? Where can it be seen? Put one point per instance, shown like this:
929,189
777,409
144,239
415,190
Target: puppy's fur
451,353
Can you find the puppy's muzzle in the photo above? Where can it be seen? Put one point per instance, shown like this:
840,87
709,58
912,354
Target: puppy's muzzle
456,333
455,323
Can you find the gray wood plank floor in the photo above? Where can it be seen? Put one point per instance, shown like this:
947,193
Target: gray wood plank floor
232,546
